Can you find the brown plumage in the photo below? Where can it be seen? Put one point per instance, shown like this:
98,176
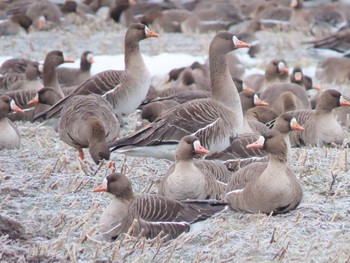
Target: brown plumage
334,70
148,215
87,121
15,65
124,89
76,76
215,120
14,25
320,125
193,179
265,187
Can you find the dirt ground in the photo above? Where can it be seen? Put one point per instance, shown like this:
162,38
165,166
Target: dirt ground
48,212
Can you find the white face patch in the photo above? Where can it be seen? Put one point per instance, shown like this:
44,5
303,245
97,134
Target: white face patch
90,58
41,67
293,121
197,145
256,99
234,40
146,30
281,66
12,105
261,140
297,76
105,183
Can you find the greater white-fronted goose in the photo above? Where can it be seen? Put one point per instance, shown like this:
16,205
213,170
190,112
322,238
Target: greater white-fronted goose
284,124
73,76
276,71
15,65
334,70
148,215
88,121
286,97
265,187
249,100
298,77
262,114
124,89
215,121
194,179
339,41
15,24
32,79
9,135
169,20
321,127
153,110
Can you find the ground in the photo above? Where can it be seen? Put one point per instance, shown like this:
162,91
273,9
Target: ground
48,212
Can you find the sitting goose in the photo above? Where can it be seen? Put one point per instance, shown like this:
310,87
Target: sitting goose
75,76
15,65
298,77
265,187
9,135
124,89
215,121
15,24
88,121
31,79
284,123
194,179
148,214
320,125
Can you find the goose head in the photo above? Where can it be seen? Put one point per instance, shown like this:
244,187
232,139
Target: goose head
116,184
45,95
225,42
137,32
331,99
276,68
249,100
7,105
271,141
188,147
286,122
56,58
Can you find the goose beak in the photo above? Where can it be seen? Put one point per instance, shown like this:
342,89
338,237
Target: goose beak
68,60
99,188
282,68
294,125
259,102
239,43
344,102
14,107
297,76
150,33
199,149
34,100
293,3
315,87
258,144
245,88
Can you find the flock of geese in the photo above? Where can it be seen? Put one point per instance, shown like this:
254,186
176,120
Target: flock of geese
230,143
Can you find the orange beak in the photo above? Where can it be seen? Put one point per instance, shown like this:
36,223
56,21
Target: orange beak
282,68
259,102
258,144
315,87
150,33
344,102
14,107
294,125
239,43
297,76
294,3
68,60
245,88
100,188
34,100
199,149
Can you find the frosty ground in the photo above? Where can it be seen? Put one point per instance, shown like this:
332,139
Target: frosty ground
46,191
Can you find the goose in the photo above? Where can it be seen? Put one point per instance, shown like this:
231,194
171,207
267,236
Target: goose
193,179
321,127
87,121
276,71
14,25
15,65
249,100
73,76
262,114
265,187
298,77
31,79
334,70
284,123
153,110
148,215
286,97
9,135
124,89
215,121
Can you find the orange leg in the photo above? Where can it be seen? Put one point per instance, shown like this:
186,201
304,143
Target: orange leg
81,154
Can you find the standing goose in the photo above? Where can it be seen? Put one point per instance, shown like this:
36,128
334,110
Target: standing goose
73,76
215,121
150,214
265,187
320,125
87,121
9,135
124,89
284,123
194,179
